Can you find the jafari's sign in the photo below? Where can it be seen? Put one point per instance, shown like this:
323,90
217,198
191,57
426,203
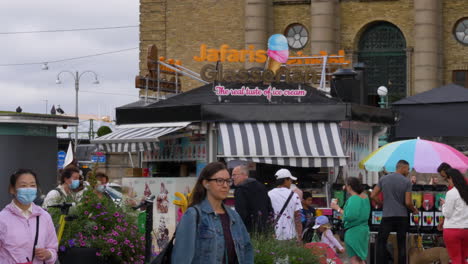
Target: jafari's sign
227,54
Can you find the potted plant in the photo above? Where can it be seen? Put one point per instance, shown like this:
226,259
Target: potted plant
268,250
102,232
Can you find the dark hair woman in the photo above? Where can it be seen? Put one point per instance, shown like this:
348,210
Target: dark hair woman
355,217
455,211
69,181
22,220
198,236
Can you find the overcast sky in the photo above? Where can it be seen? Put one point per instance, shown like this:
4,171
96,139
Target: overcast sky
29,86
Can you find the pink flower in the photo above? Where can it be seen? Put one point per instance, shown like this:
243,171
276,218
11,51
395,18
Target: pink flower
95,227
112,249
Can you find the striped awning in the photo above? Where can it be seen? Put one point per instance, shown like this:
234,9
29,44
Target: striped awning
135,138
299,144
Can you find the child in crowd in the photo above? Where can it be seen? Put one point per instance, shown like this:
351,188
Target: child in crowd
307,211
323,226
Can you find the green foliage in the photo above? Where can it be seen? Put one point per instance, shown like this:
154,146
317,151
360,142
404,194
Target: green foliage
103,225
103,130
268,250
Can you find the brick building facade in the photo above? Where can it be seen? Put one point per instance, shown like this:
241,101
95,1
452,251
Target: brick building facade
410,46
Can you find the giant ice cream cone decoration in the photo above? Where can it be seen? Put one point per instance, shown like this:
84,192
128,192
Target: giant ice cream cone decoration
278,51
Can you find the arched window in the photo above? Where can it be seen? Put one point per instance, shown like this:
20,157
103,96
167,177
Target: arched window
382,50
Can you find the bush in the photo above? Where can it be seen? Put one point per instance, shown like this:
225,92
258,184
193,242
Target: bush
103,130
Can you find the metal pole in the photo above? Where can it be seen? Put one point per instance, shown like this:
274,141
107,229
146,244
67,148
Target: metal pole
159,83
176,82
148,230
77,88
146,90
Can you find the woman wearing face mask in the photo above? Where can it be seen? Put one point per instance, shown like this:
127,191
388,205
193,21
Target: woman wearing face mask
210,232
70,181
18,225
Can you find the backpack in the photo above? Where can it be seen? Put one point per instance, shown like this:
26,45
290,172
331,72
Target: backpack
165,255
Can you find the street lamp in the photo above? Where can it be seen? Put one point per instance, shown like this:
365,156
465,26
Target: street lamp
77,76
382,91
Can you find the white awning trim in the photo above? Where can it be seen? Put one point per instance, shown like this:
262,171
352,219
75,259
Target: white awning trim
134,139
299,144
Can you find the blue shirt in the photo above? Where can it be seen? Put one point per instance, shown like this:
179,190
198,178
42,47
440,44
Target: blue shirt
205,243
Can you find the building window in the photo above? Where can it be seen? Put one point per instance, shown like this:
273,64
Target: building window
460,77
297,36
382,50
460,31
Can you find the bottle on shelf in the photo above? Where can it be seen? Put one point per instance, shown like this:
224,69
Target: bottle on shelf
416,197
376,214
428,209
440,191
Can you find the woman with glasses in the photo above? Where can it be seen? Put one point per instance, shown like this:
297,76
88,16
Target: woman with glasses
209,231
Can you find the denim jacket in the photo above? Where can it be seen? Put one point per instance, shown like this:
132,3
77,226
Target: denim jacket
205,244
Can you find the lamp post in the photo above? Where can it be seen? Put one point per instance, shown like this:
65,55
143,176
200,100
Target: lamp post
382,91
77,76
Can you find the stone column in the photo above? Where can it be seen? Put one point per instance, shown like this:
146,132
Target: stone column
324,30
428,44
257,16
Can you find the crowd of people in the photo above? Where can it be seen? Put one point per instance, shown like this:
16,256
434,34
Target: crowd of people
211,232
27,232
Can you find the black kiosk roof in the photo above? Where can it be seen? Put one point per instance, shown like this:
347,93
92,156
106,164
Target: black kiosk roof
202,104
438,112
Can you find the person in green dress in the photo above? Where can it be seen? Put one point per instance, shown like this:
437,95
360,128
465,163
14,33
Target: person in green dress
355,216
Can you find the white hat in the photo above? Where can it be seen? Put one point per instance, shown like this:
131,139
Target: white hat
284,173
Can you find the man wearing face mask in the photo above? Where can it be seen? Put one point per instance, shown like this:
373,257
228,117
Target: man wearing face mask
27,233
70,180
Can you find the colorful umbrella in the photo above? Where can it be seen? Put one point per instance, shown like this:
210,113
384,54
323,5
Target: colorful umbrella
423,155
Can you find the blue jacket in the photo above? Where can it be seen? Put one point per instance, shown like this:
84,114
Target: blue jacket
205,244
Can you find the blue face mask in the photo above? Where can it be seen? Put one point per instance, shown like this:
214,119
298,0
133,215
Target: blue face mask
75,184
100,188
26,195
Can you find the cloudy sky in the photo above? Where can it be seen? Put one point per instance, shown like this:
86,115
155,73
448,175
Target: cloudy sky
29,86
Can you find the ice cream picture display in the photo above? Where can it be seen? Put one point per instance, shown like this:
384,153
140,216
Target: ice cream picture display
278,51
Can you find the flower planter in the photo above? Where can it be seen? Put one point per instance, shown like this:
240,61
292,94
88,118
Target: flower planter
79,256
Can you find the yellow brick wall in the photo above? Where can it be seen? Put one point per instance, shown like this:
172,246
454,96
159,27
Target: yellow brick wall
285,15
456,54
192,23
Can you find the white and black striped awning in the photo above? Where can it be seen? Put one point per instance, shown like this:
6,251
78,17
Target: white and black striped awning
135,138
299,144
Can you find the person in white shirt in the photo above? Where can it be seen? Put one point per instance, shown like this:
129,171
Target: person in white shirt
455,211
288,224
